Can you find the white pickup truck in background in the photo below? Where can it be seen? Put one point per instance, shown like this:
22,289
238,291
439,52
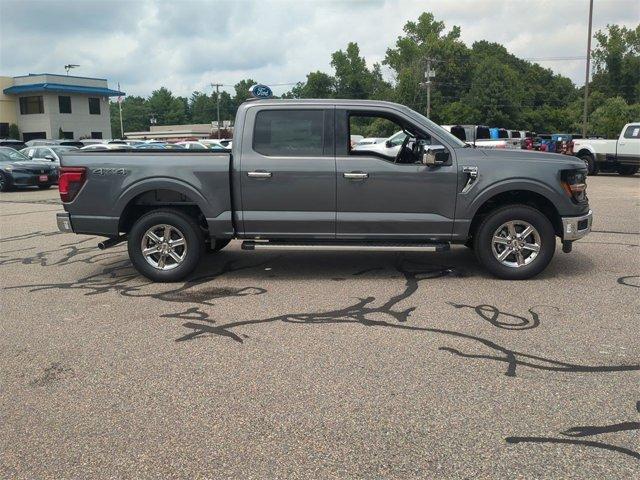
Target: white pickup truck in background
621,155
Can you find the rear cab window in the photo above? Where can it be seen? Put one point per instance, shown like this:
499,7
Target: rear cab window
290,133
632,131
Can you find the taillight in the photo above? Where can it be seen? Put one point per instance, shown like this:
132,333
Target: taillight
574,183
70,182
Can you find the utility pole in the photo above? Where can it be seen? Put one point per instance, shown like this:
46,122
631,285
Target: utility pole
120,108
428,75
585,115
217,86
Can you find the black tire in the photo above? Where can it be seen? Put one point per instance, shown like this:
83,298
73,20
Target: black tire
217,244
628,170
492,222
44,187
186,225
5,182
590,162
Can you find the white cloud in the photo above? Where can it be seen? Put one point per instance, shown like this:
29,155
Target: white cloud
186,45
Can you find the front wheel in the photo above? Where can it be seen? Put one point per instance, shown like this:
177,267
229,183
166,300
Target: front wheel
628,170
165,245
515,242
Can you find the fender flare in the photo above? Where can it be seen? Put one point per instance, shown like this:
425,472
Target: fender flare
513,184
162,183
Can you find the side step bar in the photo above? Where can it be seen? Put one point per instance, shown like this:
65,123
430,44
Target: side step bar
359,247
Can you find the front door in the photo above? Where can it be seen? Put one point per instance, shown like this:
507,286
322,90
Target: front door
288,173
382,194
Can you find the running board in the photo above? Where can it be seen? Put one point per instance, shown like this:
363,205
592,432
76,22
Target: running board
360,247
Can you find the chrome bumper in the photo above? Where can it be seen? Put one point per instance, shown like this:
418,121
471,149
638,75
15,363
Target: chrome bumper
64,222
574,228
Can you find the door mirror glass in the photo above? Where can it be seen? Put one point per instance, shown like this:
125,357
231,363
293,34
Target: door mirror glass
434,155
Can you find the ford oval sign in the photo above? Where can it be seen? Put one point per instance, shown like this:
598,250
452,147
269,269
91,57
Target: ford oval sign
260,91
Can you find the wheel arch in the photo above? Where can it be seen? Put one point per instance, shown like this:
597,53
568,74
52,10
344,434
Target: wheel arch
156,193
533,197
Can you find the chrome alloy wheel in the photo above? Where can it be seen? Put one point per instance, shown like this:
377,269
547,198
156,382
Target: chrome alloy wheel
516,244
164,247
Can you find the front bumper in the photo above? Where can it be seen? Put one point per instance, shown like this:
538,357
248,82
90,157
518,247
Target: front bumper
64,222
574,228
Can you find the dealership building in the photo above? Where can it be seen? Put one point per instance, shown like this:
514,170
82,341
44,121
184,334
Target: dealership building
45,105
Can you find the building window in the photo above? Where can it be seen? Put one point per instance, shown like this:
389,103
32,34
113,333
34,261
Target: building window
96,134
66,135
65,104
94,106
289,133
26,136
29,105
4,130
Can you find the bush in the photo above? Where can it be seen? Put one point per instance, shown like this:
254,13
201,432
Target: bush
14,131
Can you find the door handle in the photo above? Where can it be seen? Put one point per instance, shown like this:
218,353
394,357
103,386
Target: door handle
355,175
259,174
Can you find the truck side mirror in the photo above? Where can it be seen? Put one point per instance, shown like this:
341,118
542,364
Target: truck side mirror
434,156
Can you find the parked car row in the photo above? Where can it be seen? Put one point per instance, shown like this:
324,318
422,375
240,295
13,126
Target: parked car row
17,170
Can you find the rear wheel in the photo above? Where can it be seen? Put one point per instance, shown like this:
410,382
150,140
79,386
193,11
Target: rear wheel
165,245
590,161
515,242
5,182
628,170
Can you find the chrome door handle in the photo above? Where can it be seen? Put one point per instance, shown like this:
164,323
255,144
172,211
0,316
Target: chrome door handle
259,174
355,175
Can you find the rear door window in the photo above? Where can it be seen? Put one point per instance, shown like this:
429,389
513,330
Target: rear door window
289,133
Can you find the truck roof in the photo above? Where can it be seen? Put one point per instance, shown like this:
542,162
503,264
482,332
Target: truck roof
322,101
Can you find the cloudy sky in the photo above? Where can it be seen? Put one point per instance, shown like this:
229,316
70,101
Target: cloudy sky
186,45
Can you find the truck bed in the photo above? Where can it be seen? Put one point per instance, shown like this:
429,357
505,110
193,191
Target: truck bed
120,179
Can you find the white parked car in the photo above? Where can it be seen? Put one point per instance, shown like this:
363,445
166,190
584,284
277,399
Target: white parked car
192,145
621,155
388,147
105,146
51,153
215,144
370,141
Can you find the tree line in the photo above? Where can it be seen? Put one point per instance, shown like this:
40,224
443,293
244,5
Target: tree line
481,84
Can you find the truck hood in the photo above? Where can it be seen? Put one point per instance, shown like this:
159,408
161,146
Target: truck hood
532,156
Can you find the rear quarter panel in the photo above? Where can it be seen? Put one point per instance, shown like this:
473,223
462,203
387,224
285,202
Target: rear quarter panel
115,178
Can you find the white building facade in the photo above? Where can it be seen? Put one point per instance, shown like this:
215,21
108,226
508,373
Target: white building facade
60,106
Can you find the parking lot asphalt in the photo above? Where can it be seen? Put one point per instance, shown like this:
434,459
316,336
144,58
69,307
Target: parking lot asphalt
319,365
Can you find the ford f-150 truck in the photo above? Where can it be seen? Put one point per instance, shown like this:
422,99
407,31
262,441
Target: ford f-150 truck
621,155
292,181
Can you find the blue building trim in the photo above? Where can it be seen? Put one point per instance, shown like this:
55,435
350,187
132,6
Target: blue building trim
61,88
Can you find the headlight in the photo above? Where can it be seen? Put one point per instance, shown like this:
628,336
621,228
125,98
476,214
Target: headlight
8,168
574,183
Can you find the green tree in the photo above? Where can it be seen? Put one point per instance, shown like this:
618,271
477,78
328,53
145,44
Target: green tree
14,131
242,92
616,62
608,119
167,109
352,77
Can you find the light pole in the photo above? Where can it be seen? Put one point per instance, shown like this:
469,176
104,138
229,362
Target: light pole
217,86
585,116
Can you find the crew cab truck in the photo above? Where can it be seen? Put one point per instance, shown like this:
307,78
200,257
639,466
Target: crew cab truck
292,181
621,155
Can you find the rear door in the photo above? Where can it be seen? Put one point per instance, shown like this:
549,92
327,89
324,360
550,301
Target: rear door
288,172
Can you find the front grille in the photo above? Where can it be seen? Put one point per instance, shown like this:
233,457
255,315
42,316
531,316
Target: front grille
583,224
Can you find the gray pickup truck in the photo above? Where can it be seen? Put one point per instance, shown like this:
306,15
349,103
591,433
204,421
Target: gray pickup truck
292,181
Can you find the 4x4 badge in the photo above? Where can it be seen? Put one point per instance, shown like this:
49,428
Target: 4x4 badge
109,171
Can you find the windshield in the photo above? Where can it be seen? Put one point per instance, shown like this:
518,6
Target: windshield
10,155
437,129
